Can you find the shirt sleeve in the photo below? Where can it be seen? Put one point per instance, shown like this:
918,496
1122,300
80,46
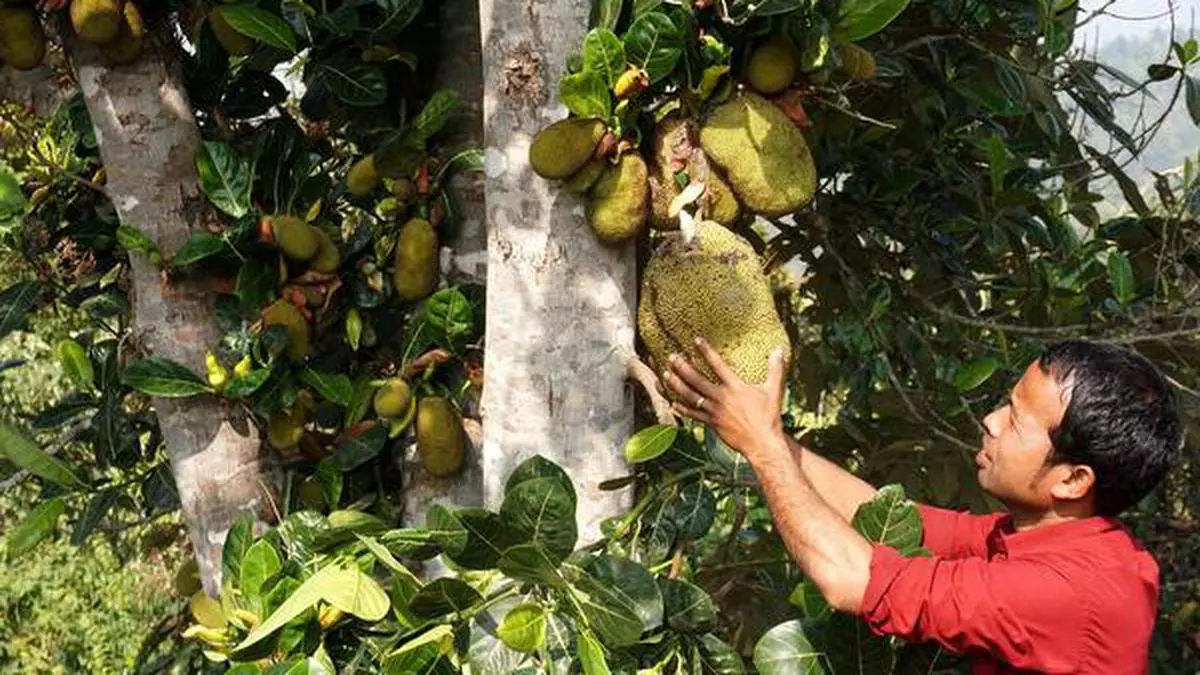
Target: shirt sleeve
1016,611
956,534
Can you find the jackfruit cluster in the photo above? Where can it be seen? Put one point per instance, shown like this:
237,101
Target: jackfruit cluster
116,27
302,242
711,287
674,144
22,41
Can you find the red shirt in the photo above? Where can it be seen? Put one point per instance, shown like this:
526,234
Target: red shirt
1075,597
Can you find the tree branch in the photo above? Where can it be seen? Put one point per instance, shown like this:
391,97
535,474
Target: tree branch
645,376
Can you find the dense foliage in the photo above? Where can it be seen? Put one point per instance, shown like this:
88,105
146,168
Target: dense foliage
954,231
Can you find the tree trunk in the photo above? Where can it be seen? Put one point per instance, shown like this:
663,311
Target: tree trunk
148,141
459,69
560,306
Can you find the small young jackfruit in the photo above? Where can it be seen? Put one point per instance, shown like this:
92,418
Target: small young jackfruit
772,67
723,207
417,268
362,177
233,42
857,63
714,288
127,46
562,148
328,258
295,238
299,333
187,579
620,200
96,21
22,41
403,189
441,440
393,398
285,429
764,155
583,180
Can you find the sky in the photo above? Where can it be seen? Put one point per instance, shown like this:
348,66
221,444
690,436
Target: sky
1137,17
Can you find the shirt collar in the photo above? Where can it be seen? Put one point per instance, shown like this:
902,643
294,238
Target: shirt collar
1005,539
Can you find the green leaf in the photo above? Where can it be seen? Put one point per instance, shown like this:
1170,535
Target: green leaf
487,538
238,541
75,363
257,282
360,85
450,316
435,113
604,53
541,511
808,599
225,177
444,596
530,562
524,627
650,442
606,13
585,94
997,161
134,240
383,555
16,302
1120,277
37,526
853,649
12,199
19,449
687,607
259,564
445,528
653,44
591,655
619,597
353,592
64,411
241,387
336,388
1192,96
199,246
975,373
718,658
98,507
397,15
863,18
330,479
694,510
539,467
1129,188
486,652
361,449
787,650
890,519
158,376
261,25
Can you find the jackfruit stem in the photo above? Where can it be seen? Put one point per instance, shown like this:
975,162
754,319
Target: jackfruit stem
644,375
687,227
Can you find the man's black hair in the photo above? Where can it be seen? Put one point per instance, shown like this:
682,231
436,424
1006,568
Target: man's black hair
1121,420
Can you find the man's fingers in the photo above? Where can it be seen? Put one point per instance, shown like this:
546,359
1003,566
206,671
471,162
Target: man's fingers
692,377
681,390
693,413
724,373
775,369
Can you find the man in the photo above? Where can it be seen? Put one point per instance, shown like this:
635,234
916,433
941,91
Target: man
1055,585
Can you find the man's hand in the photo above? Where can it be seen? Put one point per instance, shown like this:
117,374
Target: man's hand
745,416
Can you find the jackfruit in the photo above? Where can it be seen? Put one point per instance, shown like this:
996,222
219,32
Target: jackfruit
772,66
393,398
22,41
673,137
127,46
310,496
285,429
585,178
328,257
620,200
857,63
723,206
417,272
714,288
298,331
96,21
233,42
362,177
441,440
765,157
187,578
295,238
562,148
403,189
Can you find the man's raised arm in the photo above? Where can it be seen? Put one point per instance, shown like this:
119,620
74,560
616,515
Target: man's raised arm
842,490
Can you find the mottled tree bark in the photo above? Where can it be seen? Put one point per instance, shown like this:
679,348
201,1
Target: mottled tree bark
560,306
148,140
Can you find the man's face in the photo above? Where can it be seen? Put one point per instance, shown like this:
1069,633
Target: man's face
1016,443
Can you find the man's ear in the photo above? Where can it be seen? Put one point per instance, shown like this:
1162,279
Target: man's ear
1075,483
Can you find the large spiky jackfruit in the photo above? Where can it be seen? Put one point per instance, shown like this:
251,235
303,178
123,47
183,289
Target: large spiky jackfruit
22,41
712,287
764,156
